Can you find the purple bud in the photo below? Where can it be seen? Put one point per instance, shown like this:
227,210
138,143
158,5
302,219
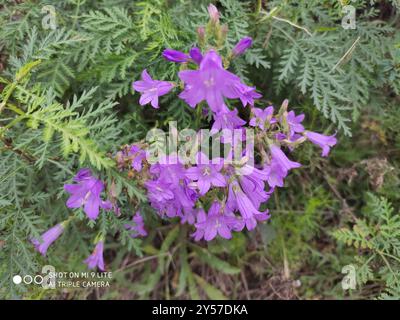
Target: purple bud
242,46
196,55
213,12
47,238
175,56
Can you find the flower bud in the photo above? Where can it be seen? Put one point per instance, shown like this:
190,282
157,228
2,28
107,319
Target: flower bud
196,55
175,56
214,14
224,31
242,46
201,35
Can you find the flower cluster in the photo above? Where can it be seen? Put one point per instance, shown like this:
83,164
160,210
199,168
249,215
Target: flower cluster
86,194
215,195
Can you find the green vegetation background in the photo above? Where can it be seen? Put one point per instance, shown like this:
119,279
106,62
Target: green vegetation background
66,101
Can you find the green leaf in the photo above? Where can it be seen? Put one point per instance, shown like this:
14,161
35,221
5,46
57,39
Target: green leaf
214,261
211,291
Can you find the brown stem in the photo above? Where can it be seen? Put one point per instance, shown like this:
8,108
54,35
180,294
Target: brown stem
9,146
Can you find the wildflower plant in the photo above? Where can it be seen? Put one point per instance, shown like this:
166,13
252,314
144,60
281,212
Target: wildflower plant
215,195
187,146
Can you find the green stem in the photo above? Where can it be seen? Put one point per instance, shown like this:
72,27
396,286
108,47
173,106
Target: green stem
7,96
78,6
198,116
258,7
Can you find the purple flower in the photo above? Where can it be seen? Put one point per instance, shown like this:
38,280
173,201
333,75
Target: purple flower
253,186
227,119
83,174
181,57
159,191
261,117
189,216
246,94
196,55
242,46
96,258
206,173
201,218
86,193
215,223
168,191
294,123
151,89
138,227
213,12
175,56
211,83
137,155
281,160
325,142
47,238
276,174
237,199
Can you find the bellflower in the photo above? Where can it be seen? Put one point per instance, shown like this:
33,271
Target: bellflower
159,191
294,123
246,94
242,46
281,160
96,258
206,173
169,191
138,226
151,89
276,174
216,223
189,216
324,142
261,117
47,238
211,83
86,193
196,55
137,155
201,218
253,186
227,120
237,199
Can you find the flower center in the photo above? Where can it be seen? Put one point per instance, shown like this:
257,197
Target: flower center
210,82
86,197
206,171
